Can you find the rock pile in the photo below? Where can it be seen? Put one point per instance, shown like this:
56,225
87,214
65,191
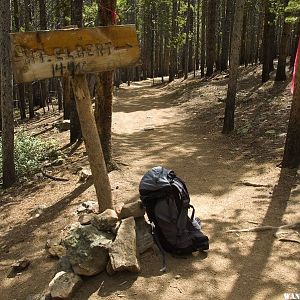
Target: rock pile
108,241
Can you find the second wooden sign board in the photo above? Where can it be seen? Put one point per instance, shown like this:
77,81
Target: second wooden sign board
45,54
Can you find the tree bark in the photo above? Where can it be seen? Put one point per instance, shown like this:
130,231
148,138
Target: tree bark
233,69
211,37
187,42
226,35
291,156
8,167
197,50
283,48
203,36
173,53
92,142
75,129
268,19
104,88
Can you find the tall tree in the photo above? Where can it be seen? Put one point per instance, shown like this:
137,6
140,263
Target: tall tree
283,48
75,128
104,89
267,42
187,41
291,156
8,166
21,86
203,35
226,35
233,68
211,36
173,53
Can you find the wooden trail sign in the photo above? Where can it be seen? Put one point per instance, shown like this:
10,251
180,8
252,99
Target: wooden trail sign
75,52
45,54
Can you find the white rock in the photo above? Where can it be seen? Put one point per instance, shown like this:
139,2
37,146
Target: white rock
63,285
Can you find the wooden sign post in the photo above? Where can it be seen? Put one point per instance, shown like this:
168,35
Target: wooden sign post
76,52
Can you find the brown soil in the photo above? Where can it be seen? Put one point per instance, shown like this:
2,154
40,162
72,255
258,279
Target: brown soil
233,181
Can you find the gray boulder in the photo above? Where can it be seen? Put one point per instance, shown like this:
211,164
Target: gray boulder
87,250
133,209
63,285
122,252
106,220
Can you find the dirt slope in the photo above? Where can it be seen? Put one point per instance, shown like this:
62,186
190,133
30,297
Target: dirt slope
233,181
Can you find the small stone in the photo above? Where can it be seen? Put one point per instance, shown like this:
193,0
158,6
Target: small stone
38,210
177,276
122,252
148,128
133,209
54,248
20,265
88,207
86,219
84,175
106,220
64,284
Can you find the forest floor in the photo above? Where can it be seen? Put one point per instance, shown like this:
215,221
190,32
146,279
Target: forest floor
234,182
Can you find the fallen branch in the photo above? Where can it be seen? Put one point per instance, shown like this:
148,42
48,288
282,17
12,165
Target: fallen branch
53,177
246,183
264,228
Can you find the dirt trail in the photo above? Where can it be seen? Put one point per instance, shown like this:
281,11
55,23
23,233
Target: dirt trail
178,126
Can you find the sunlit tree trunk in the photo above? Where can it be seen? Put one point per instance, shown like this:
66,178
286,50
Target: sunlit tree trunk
233,68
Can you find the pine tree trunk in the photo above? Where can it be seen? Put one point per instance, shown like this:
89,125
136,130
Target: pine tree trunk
173,53
233,68
211,37
6,96
187,42
226,35
295,38
284,42
67,97
267,43
43,26
75,128
203,36
197,50
291,156
104,89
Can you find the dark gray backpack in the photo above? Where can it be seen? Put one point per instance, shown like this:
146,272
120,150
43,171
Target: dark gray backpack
167,203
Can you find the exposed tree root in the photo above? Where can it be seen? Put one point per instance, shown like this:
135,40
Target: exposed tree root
53,177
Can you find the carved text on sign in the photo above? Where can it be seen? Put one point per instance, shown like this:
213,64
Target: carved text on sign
45,54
